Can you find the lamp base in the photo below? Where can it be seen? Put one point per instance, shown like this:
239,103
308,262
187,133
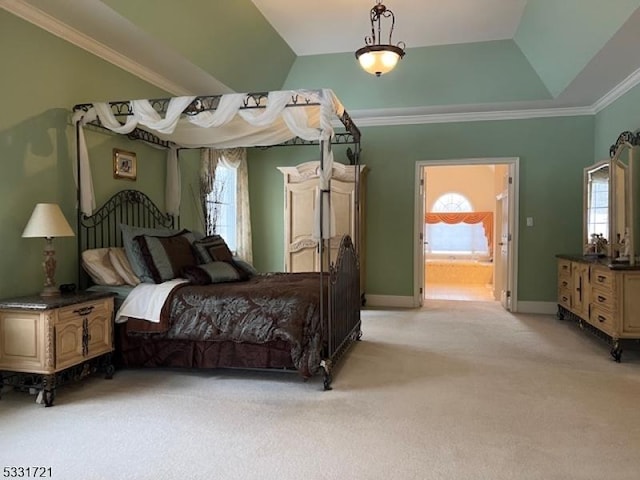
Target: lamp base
50,292
49,265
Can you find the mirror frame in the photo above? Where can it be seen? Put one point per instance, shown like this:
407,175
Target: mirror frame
627,148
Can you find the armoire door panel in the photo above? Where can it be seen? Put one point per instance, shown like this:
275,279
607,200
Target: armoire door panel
301,203
343,203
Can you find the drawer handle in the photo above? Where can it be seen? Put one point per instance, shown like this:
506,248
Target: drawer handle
601,299
601,319
565,299
601,278
565,283
84,310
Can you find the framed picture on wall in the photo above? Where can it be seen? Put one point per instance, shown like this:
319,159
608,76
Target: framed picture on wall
124,164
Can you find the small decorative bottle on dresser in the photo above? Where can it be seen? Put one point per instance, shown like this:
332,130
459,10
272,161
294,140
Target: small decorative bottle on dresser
47,341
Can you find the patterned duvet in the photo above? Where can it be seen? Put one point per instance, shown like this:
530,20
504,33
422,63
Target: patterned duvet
265,308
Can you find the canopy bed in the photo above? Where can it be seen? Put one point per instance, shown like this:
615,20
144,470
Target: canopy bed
223,314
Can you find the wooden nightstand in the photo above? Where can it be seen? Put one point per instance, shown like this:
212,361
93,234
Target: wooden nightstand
46,341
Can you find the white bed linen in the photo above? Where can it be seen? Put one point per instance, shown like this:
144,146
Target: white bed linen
146,300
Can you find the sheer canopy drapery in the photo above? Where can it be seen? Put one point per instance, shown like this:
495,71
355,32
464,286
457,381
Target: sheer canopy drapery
232,124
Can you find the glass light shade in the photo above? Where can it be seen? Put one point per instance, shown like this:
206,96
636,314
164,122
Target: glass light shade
47,220
379,59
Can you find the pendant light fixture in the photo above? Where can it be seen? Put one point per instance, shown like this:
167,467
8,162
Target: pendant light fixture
375,57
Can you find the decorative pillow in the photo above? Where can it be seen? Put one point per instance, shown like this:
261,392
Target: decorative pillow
244,265
213,249
121,264
212,272
97,264
165,257
132,249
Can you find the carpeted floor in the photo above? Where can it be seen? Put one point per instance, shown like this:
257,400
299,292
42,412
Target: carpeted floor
456,390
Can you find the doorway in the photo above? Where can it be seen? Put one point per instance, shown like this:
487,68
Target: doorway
465,230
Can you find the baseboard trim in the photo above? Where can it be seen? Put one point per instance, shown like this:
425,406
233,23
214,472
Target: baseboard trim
395,301
546,308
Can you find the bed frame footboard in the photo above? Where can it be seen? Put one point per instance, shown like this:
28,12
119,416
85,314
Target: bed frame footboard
344,302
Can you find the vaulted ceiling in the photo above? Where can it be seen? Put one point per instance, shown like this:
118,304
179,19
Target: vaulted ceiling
464,57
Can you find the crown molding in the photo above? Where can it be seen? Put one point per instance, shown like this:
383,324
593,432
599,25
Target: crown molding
41,19
364,119
618,91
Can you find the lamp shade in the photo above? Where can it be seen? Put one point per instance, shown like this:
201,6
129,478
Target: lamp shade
47,220
379,61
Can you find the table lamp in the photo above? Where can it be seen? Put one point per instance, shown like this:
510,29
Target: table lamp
47,220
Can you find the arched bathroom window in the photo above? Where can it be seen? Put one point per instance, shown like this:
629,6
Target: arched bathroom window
455,235
452,202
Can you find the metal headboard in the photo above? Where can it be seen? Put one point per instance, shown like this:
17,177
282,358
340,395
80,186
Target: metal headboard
102,229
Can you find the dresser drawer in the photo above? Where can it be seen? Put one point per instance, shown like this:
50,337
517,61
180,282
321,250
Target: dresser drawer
564,297
603,319
564,283
564,268
603,298
603,277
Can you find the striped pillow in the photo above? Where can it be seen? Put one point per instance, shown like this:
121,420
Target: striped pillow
213,249
165,257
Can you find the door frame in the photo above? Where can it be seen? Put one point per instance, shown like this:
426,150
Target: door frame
418,255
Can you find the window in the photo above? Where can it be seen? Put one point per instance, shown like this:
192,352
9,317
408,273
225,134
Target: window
452,202
455,238
221,205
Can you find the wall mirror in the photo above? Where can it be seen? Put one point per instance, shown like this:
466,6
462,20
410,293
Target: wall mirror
612,201
597,179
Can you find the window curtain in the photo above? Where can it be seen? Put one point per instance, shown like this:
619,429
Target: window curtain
486,218
235,158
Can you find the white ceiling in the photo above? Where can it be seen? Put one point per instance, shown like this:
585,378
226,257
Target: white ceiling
418,23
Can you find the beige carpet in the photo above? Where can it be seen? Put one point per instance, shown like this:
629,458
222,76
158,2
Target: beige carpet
457,390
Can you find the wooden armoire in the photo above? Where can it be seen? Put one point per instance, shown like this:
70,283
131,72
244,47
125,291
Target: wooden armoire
300,197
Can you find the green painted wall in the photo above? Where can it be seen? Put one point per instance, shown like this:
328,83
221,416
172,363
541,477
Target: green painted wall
230,39
43,77
431,76
621,115
552,154
560,37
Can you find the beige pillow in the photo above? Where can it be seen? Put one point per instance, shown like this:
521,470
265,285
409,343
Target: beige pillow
120,262
97,264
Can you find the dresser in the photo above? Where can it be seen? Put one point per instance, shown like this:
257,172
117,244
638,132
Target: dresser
46,341
601,295
348,203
